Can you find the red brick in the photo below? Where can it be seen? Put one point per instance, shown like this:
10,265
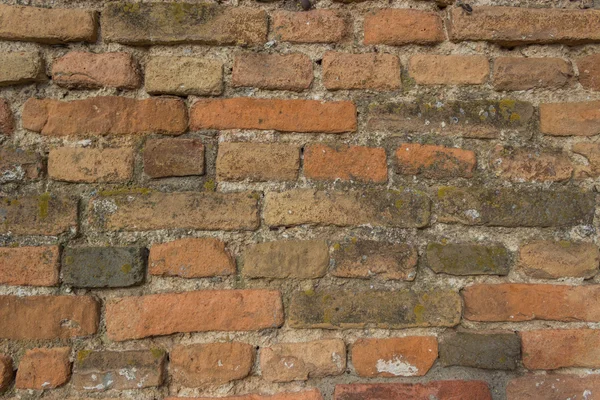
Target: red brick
18,164
288,362
36,266
513,26
570,119
191,258
589,71
553,387
48,317
428,69
173,157
404,356
526,302
47,25
559,259
311,394
591,151
105,116
80,69
257,161
273,71
45,214
210,363
397,27
44,369
6,372
361,71
7,123
530,164
367,164
439,390
520,73
431,161
207,310
314,26
88,165
276,114
561,348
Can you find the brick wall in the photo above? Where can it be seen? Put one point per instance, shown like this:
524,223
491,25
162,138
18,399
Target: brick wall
369,200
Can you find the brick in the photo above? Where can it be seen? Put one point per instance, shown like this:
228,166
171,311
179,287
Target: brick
120,370
257,162
360,163
276,114
440,390
398,27
28,265
210,363
468,259
559,259
273,71
408,209
173,157
481,350
191,258
514,208
484,119
552,387
530,164
89,165
570,119
175,23
311,394
589,71
300,259
591,151
17,164
514,26
430,69
84,70
137,317
6,372
47,25
361,71
521,73
562,348
99,267
288,362
7,122
185,210
432,161
314,26
344,309
184,76
527,302
109,115
44,214
48,317
17,68
44,369
403,356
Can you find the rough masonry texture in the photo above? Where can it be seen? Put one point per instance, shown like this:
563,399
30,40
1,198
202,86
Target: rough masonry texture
299,200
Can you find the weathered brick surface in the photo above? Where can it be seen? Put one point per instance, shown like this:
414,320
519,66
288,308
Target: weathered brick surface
449,70
73,164
257,161
288,362
591,151
105,116
559,259
315,26
520,73
468,259
6,372
361,71
44,369
397,27
105,370
210,363
279,115
83,70
7,122
525,302
172,23
17,164
355,163
433,161
273,71
21,67
191,258
570,119
561,348
48,317
442,390
404,356
528,164
552,387
589,71
302,259
173,157
339,309
184,76
481,350
44,214
207,310
311,394
27,265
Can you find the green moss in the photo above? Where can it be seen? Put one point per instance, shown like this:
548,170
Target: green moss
82,355
126,268
43,205
126,190
156,352
210,185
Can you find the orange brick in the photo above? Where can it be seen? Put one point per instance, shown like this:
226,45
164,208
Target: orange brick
529,164
361,71
561,348
80,69
428,69
432,161
552,387
570,119
589,71
367,164
397,27
44,369
273,71
257,161
314,26
559,259
442,390
520,73
36,266
90,165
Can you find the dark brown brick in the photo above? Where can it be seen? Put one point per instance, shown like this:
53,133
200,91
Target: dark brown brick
44,214
18,164
173,157
468,259
481,350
